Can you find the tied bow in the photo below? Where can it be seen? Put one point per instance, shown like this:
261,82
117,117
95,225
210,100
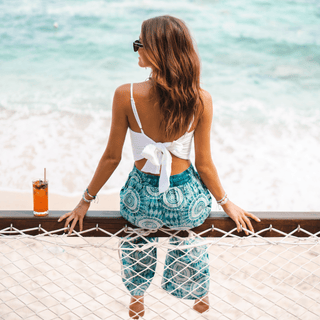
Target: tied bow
158,155
176,147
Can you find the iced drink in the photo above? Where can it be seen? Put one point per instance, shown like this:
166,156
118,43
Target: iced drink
40,198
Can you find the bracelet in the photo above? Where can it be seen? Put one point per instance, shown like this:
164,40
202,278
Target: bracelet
221,200
85,199
224,201
93,197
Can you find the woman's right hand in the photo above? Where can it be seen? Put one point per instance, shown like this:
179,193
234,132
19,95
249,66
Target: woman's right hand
77,214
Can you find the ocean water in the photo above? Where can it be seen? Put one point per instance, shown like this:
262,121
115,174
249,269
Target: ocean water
260,62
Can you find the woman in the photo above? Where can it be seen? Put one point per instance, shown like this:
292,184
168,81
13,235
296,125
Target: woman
163,114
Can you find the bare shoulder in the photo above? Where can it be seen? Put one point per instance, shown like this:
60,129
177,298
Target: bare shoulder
121,97
123,90
206,96
207,102
141,89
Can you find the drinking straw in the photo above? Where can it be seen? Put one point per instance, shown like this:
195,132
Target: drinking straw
44,174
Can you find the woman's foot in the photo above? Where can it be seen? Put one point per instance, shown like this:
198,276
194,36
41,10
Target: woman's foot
136,308
202,305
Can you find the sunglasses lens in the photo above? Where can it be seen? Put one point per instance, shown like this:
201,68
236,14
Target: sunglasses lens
136,45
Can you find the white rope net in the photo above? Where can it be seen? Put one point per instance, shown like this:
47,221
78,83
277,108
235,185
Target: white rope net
50,276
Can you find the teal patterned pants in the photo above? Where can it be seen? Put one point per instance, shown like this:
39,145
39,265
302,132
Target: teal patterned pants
186,204
186,272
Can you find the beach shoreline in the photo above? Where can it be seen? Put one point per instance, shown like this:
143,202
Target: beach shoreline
15,200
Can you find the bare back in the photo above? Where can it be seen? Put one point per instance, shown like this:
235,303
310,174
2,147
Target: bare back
149,115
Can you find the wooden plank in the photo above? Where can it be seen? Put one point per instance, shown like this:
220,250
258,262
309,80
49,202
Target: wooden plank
113,222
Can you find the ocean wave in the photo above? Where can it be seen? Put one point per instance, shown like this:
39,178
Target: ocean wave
268,165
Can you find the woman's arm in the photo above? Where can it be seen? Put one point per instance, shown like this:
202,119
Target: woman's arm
110,158
207,169
112,155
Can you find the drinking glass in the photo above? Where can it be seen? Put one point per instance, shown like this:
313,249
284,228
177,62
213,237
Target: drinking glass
40,198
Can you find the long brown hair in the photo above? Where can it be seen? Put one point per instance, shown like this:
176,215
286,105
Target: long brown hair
176,72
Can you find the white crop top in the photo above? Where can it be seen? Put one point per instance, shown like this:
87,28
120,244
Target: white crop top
157,153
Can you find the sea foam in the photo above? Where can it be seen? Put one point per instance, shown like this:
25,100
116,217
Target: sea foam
272,164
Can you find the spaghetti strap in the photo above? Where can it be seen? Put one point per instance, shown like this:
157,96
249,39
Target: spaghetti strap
191,123
134,109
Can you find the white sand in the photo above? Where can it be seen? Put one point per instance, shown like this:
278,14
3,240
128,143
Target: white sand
42,278
24,201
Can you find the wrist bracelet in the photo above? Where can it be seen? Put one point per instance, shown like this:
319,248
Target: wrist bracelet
85,199
93,197
221,200
224,201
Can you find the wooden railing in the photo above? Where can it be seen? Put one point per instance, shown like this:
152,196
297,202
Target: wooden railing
113,222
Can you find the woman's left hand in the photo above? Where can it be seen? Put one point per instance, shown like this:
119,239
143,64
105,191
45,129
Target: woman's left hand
239,216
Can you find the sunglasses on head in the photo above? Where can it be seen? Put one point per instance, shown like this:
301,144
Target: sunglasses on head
136,45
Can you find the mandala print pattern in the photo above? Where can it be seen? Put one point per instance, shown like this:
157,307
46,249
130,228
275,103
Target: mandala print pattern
136,177
186,275
197,208
199,288
128,273
138,267
153,192
180,273
131,200
182,277
173,198
196,252
146,223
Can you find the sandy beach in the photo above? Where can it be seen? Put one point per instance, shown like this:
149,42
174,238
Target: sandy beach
73,278
24,201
